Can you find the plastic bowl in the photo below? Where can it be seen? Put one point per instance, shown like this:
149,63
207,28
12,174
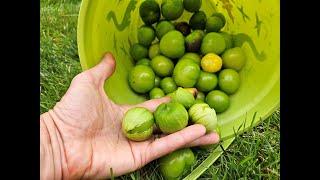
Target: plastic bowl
111,26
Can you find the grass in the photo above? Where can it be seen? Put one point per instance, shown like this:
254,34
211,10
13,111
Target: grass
253,155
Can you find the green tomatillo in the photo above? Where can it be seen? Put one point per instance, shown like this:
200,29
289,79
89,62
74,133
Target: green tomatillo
193,41
172,44
138,51
192,5
218,100
163,27
141,78
207,81
175,164
149,12
229,81
137,124
198,20
194,56
146,35
144,61
156,93
184,97
213,43
154,50
168,85
171,117
162,66
172,9
186,73
157,80
201,113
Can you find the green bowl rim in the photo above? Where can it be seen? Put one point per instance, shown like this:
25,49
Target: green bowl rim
80,29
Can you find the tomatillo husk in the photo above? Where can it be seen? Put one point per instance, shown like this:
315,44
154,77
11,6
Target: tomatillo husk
137,124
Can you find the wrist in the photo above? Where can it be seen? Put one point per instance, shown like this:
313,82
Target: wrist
52,155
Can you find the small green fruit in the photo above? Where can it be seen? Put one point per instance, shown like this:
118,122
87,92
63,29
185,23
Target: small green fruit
192,5
201,113
194,56
186,73
218,100
162,66
156,93
163,27
138,51
171,117
141,79
144,61
173,165
137,124
183,97
149,12
213,43
172,44
172,9
193,41
146,35
154,50
198,20
168,85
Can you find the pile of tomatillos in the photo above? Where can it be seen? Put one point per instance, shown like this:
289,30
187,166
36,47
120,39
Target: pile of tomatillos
195,63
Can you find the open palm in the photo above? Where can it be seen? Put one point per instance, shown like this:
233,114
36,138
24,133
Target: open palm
90,127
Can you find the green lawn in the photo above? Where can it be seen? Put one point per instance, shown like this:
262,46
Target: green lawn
253,155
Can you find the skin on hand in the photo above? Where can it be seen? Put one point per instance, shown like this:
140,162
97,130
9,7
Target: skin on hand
81,136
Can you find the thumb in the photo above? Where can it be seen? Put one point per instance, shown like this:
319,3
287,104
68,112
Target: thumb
104,69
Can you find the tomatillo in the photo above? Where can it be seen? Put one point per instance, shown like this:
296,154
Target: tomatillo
194,56
172,9
201,113
184,97
234,58
141,79
207,81
163,27
168,85
138,51
186,73
175,164
211,63
218,100
144,61
172,44
215,22
213,43
229,81
156,93
154,50
149,12
171,117
146,35
157,80
137,124
198,20
162,66
193,41
192,5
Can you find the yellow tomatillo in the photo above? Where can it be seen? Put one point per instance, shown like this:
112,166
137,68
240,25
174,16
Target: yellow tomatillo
211,63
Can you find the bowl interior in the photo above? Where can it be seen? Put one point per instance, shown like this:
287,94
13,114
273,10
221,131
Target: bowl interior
112,26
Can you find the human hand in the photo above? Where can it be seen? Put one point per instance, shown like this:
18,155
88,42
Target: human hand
84,130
